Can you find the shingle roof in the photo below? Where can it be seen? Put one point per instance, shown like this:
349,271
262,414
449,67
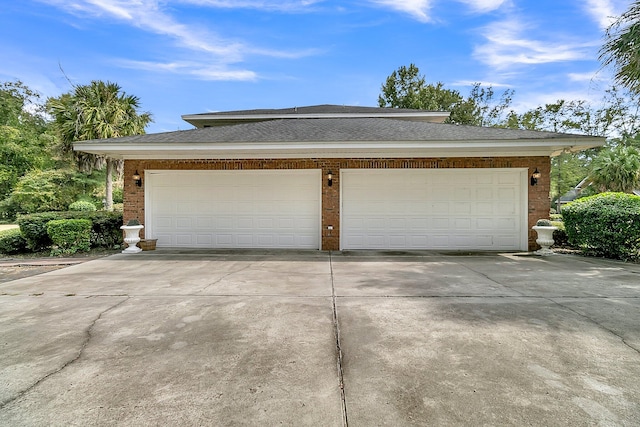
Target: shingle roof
339,130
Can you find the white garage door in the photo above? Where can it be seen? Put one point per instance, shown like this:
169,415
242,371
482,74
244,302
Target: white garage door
434,209
234,209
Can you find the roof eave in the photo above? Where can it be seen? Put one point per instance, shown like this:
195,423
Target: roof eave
350,149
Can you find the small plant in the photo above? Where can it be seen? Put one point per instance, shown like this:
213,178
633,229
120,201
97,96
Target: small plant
133,222
543,223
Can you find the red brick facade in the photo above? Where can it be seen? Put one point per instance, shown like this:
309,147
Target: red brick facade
539,203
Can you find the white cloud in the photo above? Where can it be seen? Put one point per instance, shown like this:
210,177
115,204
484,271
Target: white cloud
149,15
506,46
484,6
582,77
197,69
418,9
605,12
270,5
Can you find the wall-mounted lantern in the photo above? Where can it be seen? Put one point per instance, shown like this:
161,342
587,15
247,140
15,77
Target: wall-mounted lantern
137,179
534,178
330,179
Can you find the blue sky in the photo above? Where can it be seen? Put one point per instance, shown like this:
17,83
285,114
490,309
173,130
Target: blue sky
192,56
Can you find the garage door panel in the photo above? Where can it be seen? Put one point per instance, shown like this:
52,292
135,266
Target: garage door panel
228,209
206,222
432,208
183,222
204,239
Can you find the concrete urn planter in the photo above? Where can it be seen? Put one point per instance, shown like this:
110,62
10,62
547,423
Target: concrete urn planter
131,238
545,238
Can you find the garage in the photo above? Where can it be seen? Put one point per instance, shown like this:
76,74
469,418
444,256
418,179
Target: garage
233,209
455,209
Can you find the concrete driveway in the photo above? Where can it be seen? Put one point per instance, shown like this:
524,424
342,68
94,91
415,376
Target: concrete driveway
313,338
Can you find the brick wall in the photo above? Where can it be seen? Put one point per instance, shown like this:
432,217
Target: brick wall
539,203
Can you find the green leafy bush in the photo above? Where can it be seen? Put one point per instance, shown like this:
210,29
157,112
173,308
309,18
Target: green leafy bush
12,242
82,205
69,235
105,230
560,235
607,224
34,229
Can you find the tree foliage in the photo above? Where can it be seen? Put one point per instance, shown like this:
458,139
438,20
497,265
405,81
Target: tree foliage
622,48
25,142
407,88
98,110
616,169
48,190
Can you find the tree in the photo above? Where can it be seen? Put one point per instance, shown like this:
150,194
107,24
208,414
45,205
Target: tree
622,48
616,169
24,137
98,110
617,119
407,88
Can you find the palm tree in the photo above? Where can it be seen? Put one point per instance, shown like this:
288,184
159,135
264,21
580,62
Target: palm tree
616,169
622,48
97,111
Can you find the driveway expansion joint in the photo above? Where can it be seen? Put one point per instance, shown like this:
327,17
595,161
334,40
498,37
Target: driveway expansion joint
84,345
336,329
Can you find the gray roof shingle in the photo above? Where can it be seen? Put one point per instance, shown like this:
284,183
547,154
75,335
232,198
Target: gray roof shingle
340,130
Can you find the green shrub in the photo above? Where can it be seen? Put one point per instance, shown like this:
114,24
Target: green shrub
82,205
607,224
69,235
12,242
34,229
105,230
560,237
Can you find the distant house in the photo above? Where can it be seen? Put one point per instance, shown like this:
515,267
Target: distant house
338,178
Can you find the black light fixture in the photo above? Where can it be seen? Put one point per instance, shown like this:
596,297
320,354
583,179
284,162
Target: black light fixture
330,179
137,179
534,177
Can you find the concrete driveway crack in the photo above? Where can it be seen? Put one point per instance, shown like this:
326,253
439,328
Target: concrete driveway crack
336,329
88,336
223,277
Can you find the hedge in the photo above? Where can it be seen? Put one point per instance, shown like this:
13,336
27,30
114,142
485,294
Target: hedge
12,242
105,229
69,235
607,225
